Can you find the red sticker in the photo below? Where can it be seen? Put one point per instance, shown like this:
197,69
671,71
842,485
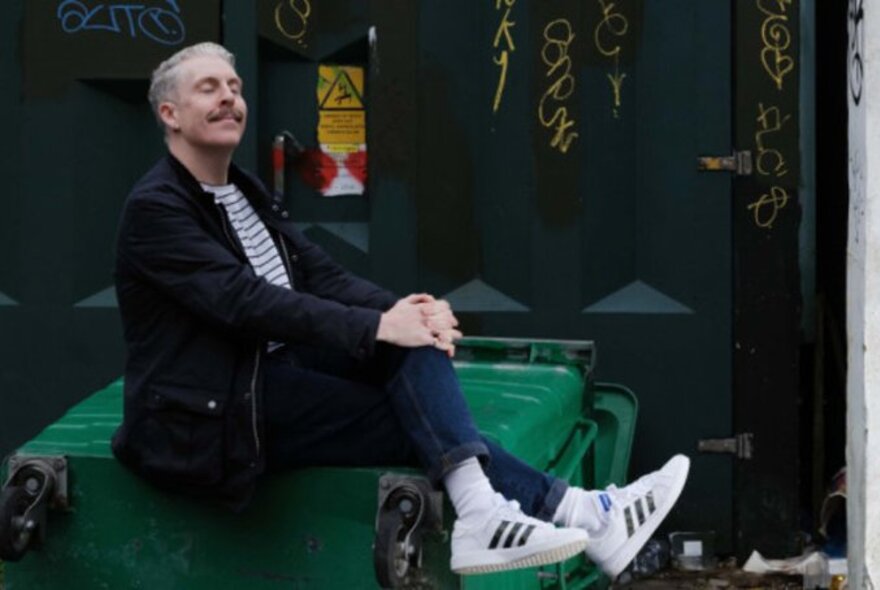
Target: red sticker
316,169
356,162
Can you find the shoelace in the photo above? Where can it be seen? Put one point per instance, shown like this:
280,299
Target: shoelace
512,510
621,497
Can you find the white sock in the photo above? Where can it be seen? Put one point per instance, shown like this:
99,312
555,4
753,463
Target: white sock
583,509
469,491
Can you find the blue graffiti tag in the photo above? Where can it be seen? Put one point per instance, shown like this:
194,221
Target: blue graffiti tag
162,25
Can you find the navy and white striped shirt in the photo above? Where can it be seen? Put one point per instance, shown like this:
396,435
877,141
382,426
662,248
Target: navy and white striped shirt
259,247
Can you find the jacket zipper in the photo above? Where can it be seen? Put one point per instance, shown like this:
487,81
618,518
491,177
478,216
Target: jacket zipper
224,222
254,401
286,259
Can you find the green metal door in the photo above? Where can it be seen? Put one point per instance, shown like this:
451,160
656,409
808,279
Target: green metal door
536,164
618,237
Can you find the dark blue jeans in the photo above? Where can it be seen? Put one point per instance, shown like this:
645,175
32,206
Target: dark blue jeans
402,407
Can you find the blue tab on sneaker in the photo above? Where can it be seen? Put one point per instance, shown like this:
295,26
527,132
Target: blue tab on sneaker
634,513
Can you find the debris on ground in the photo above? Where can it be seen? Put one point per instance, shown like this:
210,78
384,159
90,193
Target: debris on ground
727,576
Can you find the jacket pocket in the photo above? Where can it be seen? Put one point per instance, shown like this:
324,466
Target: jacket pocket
180,437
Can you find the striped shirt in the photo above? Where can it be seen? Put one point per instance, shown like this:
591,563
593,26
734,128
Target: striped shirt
259,247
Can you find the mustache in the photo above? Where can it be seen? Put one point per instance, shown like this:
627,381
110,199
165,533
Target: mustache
236,114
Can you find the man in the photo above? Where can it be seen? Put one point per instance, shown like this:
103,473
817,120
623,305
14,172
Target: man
250,349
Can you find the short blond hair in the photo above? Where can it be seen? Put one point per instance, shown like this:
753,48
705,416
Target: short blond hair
163,82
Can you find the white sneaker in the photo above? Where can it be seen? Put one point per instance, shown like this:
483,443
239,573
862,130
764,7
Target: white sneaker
634,512
507,539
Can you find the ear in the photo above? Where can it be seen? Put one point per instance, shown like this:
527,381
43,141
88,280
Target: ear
168,114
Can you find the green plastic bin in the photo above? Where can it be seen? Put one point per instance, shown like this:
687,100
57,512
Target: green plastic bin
316,528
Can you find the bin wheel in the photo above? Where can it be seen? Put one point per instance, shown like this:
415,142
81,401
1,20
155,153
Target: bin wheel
391,564
15,535
395,549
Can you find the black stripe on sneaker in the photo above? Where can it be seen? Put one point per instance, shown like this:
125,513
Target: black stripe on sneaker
640,512
630,526
651,506
498,532
525,535
510,538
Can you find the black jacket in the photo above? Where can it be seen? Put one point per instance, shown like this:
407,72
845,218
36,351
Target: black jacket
196,320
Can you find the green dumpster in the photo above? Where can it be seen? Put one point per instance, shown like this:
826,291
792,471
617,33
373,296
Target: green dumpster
75,518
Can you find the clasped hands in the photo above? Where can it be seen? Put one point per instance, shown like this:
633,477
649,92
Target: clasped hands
420,320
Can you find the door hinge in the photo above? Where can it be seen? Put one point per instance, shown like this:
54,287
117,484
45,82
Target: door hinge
740,163
741,445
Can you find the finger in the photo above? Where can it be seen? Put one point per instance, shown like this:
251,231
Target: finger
436,307
448,348
454,335
438,325
425,337
441,345
430,308
416,335
449,336
442,315
417,298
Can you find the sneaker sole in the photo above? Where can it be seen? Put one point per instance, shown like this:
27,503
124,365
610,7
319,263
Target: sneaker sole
627,552
492,564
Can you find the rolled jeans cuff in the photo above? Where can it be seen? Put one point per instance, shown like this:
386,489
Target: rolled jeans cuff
451,458
552,500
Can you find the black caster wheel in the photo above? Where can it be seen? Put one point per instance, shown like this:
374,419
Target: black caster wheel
15,531
396,549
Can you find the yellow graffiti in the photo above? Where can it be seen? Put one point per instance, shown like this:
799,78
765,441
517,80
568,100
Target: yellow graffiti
776,38
502,59
612,25
292,19
557,39
616,80
766,208
770,121
769,161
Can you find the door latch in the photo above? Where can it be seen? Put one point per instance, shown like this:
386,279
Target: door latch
739,163
741,445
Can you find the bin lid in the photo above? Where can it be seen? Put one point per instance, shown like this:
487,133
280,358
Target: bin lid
526,395
85,430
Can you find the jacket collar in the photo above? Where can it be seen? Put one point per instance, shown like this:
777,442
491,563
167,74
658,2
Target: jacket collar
185,177
251,188
262,201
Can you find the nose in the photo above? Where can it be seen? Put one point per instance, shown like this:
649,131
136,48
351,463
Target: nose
227,96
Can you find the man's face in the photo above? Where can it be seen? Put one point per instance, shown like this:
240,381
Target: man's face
207,109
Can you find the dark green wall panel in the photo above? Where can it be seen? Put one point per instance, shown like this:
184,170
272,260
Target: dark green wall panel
72,150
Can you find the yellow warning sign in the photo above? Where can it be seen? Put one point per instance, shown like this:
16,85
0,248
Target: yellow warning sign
345,127
340,87
342,129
